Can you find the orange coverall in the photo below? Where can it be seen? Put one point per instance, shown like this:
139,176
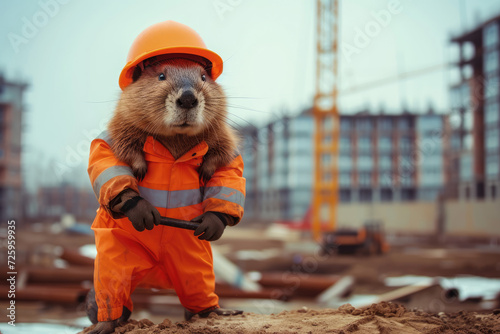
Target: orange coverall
165,257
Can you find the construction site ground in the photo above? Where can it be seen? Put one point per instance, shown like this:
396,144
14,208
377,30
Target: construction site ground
266,250
378,318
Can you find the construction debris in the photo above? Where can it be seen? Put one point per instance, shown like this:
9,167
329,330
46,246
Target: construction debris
269,275
381,317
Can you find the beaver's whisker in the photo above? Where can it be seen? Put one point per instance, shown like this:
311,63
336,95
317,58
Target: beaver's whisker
236,106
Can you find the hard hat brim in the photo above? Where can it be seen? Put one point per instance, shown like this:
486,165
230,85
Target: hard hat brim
217,63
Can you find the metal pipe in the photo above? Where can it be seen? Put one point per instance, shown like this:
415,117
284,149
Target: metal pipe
74,257
74,274
47,293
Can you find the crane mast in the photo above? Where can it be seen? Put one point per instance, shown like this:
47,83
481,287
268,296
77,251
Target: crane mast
326,119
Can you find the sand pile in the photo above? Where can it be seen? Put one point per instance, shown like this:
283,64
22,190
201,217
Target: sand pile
378,318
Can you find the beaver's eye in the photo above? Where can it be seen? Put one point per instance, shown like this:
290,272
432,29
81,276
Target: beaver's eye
203,77
162,77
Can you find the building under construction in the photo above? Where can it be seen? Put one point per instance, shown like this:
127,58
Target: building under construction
11,115
382,158
55,201
475,120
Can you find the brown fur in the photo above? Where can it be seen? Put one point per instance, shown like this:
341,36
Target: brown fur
146,108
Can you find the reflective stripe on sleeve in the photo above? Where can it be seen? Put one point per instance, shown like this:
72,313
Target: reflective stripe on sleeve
105,136
226,194
108,174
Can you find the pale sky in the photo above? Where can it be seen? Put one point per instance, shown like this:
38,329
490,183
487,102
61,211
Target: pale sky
73,58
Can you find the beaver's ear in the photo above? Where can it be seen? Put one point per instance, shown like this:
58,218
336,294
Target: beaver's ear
137,73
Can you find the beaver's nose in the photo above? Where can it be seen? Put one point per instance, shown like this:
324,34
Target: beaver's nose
187,100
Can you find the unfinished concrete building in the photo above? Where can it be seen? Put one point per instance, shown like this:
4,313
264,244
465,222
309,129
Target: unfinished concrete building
11,115
54,201
382,158
475,141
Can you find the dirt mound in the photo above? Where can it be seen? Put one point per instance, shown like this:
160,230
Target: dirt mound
386,310
469,323
382,318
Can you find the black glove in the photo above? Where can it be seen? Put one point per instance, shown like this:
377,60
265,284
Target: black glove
212,225
140,212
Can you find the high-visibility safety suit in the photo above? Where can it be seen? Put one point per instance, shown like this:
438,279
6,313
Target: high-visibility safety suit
164,257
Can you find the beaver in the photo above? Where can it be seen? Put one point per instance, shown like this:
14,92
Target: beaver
175,100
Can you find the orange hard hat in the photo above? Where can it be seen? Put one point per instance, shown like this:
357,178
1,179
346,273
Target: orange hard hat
164,38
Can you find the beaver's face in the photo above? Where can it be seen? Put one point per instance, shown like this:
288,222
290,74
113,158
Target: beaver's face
175,97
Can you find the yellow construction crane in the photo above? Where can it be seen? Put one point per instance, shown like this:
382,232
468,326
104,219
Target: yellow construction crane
326,116
370,238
